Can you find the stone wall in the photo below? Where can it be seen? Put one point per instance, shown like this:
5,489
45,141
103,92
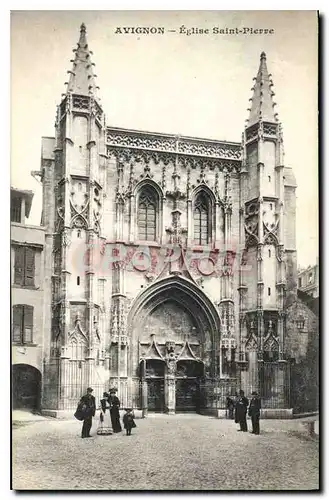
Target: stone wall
302,346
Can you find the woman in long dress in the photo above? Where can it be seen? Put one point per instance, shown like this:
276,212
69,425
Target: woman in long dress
104,427
114,403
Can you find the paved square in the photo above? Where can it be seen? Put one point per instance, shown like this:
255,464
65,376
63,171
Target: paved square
182,452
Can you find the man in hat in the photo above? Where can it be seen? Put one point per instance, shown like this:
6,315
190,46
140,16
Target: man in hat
88,407
254,412
114,404
241,411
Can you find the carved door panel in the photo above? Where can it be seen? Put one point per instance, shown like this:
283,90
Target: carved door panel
187,395
155,395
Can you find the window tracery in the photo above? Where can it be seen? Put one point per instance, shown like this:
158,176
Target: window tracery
147,214
201,218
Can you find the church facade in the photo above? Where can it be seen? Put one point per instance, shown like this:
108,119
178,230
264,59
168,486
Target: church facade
170,261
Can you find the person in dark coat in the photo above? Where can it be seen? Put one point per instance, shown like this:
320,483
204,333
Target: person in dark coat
88,408
254,412
114,403
230,407
235,399
128,421
241,411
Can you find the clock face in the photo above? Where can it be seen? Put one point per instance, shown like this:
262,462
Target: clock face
206,266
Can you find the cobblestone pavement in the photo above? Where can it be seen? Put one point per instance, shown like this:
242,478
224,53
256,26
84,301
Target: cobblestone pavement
179,452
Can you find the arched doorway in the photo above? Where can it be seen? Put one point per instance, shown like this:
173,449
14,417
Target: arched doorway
26,387
175,333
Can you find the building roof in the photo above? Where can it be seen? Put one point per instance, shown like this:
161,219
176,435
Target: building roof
27,195
262,105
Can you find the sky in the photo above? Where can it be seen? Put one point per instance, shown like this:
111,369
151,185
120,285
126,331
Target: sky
197,85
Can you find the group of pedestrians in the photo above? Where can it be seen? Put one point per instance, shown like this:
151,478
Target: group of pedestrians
109,419
238,407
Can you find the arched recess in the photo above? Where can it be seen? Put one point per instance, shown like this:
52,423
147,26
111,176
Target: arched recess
192,300
203,215
26,387
148,193
77,367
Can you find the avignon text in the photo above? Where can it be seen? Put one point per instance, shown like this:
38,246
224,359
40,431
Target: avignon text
188,31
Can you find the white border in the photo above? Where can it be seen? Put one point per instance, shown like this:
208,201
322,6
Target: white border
5,157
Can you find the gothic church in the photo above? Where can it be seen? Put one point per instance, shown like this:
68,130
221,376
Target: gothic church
170,261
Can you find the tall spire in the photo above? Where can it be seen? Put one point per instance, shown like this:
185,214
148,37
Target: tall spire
262,105
82,78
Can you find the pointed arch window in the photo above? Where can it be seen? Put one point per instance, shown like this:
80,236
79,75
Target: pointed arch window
147,214
201,218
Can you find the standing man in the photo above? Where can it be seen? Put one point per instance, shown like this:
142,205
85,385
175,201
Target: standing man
241,411
254,412
88,408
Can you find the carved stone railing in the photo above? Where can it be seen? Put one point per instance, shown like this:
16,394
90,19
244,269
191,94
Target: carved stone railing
164,143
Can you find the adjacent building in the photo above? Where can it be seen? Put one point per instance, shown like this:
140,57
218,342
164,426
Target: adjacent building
27,299
308,280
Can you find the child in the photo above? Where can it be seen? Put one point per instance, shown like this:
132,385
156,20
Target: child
128,421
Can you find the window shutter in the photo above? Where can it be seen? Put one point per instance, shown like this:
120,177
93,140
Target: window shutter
29,266
16,205
28,324
17,323
19,266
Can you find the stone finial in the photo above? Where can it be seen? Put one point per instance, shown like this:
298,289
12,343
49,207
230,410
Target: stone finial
82,78
262,99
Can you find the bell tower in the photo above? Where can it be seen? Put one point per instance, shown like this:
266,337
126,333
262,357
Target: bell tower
79,184
262,282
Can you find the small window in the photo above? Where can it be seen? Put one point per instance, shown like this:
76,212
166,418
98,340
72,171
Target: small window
269,291
269,252
300,323
24,266
269,178
22,324
16,207
299,282
78,280
271,206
